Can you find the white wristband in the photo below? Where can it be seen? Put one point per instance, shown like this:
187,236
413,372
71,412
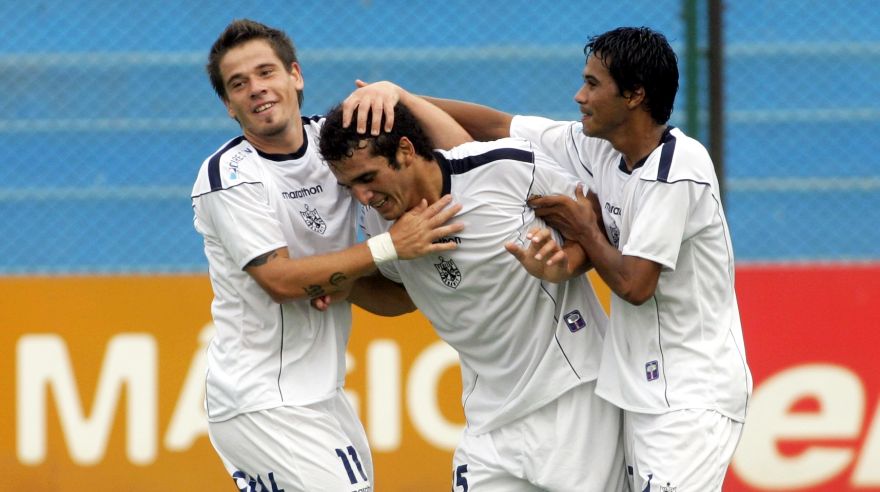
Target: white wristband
382,248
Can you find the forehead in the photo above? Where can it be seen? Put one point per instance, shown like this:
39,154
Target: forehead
360,163
247,56
595,67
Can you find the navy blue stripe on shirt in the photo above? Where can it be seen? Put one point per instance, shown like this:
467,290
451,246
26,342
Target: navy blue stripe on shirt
463,165
666,156
214,164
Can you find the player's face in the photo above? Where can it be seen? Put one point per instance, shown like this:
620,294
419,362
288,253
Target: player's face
603,109
261,92
374,183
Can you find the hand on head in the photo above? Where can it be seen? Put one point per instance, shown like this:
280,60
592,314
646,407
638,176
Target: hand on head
378,98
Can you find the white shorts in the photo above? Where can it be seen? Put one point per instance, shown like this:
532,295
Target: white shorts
571,444
680,451
304,448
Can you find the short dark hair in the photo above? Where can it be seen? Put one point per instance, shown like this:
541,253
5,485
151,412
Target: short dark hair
337,143
640,57
241,31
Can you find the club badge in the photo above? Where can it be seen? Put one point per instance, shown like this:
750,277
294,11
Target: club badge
450,275
313,220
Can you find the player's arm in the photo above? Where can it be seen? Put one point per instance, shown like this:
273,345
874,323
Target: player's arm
632,278
481,122
411,236
381,97
379,295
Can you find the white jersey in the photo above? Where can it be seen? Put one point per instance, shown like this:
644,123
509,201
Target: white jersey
247,203
683,348
522,342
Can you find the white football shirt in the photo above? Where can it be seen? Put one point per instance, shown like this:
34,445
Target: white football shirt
683,348
522,342
247,203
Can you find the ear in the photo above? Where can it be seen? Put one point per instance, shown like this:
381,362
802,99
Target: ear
405,151
296,74
635,97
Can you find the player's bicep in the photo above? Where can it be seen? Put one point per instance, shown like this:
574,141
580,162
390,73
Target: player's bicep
267,268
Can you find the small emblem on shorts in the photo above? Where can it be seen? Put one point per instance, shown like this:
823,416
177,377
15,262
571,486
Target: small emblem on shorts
575,321
652,370
449,272
313,220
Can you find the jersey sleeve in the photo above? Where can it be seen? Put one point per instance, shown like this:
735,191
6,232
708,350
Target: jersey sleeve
241,220
660,215
558,139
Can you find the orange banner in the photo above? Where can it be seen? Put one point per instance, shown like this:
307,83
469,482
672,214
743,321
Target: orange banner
107,375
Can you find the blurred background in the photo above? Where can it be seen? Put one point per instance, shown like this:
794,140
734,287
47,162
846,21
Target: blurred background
106,115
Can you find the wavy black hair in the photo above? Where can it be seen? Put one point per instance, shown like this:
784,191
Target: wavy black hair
338,143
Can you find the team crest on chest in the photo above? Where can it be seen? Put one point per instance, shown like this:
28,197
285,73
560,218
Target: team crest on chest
450,275
313,220
615,234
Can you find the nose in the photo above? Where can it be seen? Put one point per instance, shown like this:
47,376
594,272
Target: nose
361,193
257,87
580,96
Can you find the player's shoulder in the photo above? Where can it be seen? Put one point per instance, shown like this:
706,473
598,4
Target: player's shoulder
681,158
472,155
234,163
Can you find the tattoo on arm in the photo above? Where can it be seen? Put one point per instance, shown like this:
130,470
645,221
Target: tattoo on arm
262,259
337,278
314,291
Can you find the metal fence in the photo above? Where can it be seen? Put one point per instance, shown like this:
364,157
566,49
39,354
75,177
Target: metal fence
106,112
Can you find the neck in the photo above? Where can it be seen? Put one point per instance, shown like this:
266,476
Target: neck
288,141
638,144
429,179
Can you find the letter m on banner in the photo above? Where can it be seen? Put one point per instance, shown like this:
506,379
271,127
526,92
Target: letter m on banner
43,363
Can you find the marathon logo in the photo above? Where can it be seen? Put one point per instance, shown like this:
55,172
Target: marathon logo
302,192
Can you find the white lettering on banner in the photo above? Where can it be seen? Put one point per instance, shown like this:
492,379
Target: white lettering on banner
841,399
421,395
867,473
383,402
188,422
43,361
130,360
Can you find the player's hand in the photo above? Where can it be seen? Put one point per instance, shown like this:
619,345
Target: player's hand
378,98
415,232
323,302
571,217
543,257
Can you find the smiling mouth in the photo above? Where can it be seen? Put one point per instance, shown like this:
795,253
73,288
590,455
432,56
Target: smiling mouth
379,203
263,107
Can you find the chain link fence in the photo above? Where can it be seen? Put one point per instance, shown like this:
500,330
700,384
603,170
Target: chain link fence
106,112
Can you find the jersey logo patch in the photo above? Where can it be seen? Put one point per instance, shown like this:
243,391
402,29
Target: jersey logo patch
450,275
313,220
615,234
668,488
652,370
574,320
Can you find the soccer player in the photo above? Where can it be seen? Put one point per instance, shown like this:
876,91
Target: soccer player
272,215
529,349
674,358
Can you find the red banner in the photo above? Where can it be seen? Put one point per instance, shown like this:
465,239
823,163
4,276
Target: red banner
813,342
